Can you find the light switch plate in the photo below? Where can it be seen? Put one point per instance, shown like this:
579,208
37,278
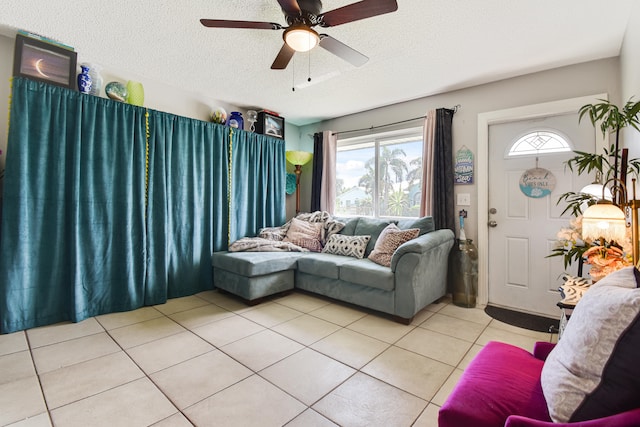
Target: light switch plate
464,199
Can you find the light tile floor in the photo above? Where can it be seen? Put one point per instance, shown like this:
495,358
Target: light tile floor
208,359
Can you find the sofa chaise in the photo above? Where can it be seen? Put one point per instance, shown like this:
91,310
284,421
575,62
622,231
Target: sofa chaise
416,275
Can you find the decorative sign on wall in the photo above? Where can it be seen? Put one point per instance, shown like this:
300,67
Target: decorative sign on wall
463,168
537,182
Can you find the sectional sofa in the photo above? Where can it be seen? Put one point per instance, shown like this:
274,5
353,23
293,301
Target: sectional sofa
416,276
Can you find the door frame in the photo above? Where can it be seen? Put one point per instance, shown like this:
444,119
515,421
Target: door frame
489,118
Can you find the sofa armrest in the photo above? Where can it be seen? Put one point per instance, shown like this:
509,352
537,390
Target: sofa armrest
423,244
625,419
420,270
541,349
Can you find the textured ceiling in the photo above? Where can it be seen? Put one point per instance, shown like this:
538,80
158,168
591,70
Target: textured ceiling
426,47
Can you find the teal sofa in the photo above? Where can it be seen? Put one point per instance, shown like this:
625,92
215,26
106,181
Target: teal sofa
416,278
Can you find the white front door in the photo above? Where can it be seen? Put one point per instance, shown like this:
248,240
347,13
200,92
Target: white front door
522,229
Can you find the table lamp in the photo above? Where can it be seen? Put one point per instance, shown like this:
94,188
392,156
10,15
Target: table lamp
608,221
298,159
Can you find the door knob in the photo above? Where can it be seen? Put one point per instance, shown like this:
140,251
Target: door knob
493,223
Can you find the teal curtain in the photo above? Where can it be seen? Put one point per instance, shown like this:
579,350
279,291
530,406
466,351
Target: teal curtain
108,206
258,183
73,228
187,215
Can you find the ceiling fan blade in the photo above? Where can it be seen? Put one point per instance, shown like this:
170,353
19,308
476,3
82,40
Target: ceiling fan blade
224,23
342,50
356,11
283,58
290,7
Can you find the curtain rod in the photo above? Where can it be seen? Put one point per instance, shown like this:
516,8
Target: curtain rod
454,109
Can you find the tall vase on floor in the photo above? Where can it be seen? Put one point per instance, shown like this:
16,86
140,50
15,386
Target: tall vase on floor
84,80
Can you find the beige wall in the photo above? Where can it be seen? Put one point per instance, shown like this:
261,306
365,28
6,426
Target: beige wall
561,83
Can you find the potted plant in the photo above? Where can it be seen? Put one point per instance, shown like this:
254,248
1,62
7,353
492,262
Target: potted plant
611,120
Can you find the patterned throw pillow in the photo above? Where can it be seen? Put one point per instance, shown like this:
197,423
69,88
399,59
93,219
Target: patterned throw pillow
339,244
389,240
593,372
305,234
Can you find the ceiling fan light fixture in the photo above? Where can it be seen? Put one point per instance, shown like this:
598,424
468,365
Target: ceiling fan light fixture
301,38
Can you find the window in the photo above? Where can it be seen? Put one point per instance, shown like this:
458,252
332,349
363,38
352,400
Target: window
539,142
380,175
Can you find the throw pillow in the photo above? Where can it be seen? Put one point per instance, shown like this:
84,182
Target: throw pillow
388,241
593,371
305,234
425,224
353,246
370,227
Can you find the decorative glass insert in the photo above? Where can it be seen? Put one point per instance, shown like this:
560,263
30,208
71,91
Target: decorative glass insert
539,142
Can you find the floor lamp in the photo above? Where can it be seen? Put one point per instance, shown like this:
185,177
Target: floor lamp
298,159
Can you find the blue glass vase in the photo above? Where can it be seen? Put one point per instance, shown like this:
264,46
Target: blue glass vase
84,80
235,120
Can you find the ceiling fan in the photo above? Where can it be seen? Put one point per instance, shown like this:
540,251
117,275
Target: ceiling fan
302,16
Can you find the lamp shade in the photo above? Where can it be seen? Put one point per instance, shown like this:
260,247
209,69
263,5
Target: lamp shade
597,190
298,157
604,220
301,38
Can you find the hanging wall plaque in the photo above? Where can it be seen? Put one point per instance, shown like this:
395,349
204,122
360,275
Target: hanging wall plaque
537,182
463,169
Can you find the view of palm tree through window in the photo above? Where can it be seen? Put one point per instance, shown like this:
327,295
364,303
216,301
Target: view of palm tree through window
380,178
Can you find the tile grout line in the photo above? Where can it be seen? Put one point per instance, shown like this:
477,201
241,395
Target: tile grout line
35,369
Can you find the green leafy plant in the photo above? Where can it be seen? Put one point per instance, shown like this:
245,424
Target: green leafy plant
611,120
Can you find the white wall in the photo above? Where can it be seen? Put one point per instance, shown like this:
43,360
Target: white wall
630,76
158,96
561,83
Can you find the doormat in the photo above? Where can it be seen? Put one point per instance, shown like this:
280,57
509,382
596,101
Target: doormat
523,320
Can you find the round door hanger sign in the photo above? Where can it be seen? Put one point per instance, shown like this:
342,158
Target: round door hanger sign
537,182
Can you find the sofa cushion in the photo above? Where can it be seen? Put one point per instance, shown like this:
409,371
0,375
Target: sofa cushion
367,273
594,372
425,224
353,246
323,264
502,380
389,240
251,264
305,234
350,224
370,227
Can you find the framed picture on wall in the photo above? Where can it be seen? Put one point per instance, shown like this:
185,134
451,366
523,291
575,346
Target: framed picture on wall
270,124
45,62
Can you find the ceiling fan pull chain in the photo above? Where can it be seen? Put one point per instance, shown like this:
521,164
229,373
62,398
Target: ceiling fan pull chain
309,75
293,76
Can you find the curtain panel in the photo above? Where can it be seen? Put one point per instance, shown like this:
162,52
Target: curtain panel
316,179
443,202
437,196
328,189
73,227
187,216
258,183
109,206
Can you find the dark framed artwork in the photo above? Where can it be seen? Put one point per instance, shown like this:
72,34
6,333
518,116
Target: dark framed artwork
45,62
270,124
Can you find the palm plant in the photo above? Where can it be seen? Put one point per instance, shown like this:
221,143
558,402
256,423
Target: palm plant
610,119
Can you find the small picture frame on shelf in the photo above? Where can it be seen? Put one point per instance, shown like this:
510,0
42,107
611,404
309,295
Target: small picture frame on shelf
45,62
270,124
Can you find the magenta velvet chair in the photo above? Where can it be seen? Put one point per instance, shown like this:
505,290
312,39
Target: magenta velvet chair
501,387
